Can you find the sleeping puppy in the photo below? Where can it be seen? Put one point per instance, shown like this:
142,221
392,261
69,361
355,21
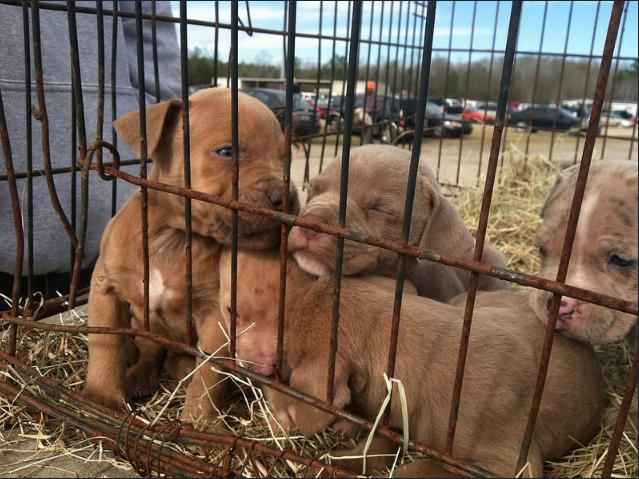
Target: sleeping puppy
376,193
116,285
604,256
500,373
257,293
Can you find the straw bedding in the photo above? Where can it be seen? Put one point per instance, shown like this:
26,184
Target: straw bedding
513,221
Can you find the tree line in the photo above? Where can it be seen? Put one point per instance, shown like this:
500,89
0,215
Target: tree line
535,79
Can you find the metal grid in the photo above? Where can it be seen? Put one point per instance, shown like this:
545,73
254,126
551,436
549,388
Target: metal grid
120,431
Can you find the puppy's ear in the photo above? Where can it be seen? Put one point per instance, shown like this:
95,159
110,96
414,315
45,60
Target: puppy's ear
560,182
158,119
444,232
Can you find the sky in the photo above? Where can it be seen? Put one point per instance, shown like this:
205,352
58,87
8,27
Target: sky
453,27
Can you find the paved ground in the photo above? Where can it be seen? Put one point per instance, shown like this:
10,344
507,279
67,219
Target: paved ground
26,457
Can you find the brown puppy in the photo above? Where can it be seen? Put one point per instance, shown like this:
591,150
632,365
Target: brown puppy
375,206
257,294
604,256
500,373
116,285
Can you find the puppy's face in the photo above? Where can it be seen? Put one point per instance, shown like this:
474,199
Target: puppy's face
257,307
375,206
604,256
261,158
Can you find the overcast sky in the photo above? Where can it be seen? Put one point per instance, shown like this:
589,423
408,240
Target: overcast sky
489,14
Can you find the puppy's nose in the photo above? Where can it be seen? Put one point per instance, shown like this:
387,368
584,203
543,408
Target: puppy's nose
276,198
566,307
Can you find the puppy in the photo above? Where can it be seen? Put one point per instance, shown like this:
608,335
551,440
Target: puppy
500,373
376,193
604,256
256,321
117,282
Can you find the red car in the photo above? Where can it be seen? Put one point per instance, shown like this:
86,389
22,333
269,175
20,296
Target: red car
481,114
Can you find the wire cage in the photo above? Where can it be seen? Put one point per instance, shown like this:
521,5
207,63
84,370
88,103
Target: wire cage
405,36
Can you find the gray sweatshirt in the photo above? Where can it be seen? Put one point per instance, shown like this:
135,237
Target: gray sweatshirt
51,243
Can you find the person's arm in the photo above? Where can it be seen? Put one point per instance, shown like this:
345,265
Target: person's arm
167,47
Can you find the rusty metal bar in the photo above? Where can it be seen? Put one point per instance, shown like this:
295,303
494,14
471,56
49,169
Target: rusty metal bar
17,222
467,83
533,97
330,91
388,55
614,79
353,57
587,79
154,47
228,26
443,118
235,138
29,143
40,113
412,180
367,74
216,37
143,162
509,58
622,417
397,246
185,434
114,103
289,126
580,187
170,461
318,77
490,77
562,72
186,152
405,53
78,105
346,58
230,365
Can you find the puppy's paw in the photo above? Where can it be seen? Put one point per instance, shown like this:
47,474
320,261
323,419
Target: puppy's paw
140,382
109,399
345,428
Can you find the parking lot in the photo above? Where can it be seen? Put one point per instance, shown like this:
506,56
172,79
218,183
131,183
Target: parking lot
457,161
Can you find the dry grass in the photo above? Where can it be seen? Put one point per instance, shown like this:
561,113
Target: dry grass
514,219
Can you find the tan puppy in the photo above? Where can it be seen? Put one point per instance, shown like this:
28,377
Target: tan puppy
604,256
500,374
376,193
116,286
257,294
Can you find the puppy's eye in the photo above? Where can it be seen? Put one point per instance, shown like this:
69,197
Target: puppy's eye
621,261
543,252
225,152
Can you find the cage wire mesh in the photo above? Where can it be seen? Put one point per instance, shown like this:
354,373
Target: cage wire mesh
360,72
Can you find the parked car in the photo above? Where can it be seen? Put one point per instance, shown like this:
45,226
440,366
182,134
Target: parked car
545,118
305,117
621,119
437,122
482,113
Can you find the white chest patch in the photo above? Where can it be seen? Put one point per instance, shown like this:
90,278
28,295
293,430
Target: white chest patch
156,290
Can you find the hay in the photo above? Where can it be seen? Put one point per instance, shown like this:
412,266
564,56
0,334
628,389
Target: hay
514,219
519,192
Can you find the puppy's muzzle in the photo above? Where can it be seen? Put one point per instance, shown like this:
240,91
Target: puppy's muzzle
274,191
